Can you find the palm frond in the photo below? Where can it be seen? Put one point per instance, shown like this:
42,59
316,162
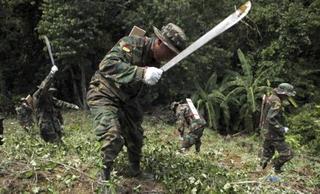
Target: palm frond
212,82
246,67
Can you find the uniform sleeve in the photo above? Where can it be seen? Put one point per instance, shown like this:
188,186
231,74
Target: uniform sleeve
116,64
63,104
44,86
181,120
273,115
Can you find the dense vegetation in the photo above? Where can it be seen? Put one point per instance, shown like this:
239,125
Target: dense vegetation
277,42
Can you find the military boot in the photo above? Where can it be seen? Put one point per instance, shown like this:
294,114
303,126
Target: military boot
263,164
135,171
197,148
106,172
277,169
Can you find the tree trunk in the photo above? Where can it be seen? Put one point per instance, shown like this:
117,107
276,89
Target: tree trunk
83,87
76,95
3,85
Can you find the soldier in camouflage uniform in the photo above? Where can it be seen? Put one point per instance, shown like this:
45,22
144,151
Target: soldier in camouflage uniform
49,118
1,129
186,120
114,90
274,121
24,114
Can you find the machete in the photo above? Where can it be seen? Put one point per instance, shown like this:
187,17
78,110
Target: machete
49,48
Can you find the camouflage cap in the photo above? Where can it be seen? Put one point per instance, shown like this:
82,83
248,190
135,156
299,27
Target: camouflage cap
286,89
172,36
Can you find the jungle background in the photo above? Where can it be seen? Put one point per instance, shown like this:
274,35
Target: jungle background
277,42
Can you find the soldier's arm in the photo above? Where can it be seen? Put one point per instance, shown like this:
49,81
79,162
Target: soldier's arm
45,85
181,120
116,64
64,104
273,115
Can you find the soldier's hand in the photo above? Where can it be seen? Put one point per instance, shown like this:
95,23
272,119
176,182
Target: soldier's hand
152,75
54,69
76,107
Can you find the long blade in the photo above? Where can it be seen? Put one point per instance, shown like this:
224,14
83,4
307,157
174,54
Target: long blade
49,48
193,109
227,23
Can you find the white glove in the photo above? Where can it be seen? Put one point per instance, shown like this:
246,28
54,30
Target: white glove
54,69
284,129
152,75
76,107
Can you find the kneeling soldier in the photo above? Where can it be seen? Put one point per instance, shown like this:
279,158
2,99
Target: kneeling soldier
24,114
188,117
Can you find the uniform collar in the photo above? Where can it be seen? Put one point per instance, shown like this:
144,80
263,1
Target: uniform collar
148,58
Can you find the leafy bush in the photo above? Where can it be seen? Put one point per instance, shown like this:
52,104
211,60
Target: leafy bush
305,125
238,92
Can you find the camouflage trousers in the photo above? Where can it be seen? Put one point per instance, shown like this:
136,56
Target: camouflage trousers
269,148
193,138
116,126
50,131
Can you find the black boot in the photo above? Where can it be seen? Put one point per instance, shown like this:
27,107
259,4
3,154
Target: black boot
135,171
263,164
277,169
106,171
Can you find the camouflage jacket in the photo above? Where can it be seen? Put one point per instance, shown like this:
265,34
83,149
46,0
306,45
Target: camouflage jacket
42,102
121,71
58,104
24,113
63,104
185,119
46,107
274,119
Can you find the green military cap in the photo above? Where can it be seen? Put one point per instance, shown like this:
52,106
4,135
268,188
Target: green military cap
172,36
286,89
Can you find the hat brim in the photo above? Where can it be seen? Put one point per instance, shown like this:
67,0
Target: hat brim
157,32
284,93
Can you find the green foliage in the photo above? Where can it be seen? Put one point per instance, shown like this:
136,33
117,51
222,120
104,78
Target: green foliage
212,101
305,126
236,91
73,29
247,89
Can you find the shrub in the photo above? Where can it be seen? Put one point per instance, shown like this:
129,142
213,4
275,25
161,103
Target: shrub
305,125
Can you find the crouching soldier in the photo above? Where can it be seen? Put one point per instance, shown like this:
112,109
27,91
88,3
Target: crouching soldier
49,119
1,129
188,118
24,114
273,121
